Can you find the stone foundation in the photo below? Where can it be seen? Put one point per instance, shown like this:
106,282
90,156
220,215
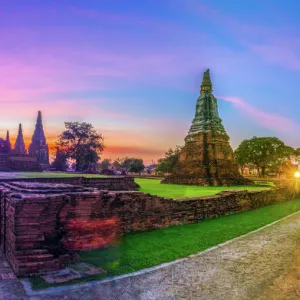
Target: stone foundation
207,159
20,162
44,225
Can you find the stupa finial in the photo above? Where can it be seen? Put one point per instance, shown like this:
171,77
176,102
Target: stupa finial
206,85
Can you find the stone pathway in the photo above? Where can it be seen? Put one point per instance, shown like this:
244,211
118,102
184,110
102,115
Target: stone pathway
252,267
262,266
10,287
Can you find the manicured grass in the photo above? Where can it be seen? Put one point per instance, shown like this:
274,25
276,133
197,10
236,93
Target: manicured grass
136,251
54,175
176,191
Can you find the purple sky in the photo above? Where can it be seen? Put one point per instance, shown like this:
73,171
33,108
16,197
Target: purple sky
133,68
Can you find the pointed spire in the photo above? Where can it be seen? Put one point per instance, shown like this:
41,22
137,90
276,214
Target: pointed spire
7,147
206,85
39,118
20,145
38,144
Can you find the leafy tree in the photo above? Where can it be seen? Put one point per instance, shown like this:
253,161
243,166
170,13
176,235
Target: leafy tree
60,161
167,164
263,152
296,156
117,164
81,142
105,163
134,165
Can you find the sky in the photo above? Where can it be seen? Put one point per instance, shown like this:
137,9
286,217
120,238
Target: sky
133,69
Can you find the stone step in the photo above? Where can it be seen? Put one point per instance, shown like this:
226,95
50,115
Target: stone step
34,258
31,252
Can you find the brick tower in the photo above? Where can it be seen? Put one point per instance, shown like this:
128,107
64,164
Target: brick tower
207,157
38,144
20,145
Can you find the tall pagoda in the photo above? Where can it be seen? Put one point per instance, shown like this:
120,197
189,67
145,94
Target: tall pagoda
8,144
19,144
207,157
39,146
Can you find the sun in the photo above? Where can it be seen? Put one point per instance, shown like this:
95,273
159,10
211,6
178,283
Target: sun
297,174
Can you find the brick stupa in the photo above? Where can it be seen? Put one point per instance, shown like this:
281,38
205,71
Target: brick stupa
207,157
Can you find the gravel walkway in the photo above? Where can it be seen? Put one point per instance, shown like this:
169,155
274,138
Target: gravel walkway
252,267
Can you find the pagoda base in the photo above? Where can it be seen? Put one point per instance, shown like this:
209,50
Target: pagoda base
221,173
189,179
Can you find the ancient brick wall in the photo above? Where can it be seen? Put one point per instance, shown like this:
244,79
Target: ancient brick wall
44,225
118,183
4,162
138,211
18,162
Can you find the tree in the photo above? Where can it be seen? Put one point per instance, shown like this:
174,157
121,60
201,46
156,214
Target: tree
60,161
117,164
263,152
105,163
134,165
81,142
167,164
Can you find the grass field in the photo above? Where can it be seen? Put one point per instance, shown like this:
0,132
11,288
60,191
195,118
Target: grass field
175,191
136,251
151,186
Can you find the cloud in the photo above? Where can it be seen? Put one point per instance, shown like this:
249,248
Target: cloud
267,120
275,52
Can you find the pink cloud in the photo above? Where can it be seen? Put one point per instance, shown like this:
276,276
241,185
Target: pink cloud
267,120
274,52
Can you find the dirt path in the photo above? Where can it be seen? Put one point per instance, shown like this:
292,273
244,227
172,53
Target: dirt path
256,266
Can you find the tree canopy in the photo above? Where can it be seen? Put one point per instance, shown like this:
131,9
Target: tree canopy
60,161
135,165
105,163
263,152
167,164
81,142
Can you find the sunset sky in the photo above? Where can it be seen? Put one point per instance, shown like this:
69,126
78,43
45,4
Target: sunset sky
133,68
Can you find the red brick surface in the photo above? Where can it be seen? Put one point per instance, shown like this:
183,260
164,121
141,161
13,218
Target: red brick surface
44,225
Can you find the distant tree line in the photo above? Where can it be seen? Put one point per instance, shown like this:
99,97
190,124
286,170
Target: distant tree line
81,146
265,154
134,165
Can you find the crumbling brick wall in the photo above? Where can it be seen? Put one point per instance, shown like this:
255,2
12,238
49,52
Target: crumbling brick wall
112,183
44,225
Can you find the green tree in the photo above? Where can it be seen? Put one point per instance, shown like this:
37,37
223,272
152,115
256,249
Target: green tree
105,163
117,164
263,152
167,164
81,142
134,165
60,161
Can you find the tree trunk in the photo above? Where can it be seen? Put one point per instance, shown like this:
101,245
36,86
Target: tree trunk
258,170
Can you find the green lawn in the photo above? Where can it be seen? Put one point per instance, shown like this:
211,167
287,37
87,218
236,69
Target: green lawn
176,191
136,251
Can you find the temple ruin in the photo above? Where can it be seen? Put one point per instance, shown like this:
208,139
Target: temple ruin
17,158
207,157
